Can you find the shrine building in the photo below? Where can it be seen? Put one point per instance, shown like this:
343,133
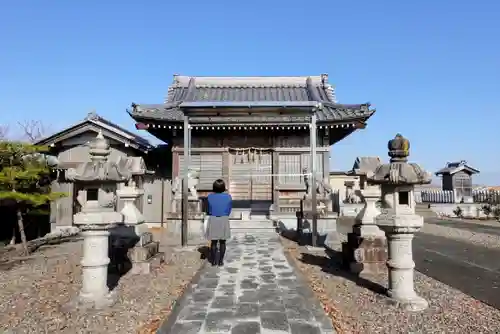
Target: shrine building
253,132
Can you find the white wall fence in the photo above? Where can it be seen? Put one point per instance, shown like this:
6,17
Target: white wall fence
448,196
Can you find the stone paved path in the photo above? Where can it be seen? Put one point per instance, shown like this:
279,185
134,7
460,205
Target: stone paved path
257,291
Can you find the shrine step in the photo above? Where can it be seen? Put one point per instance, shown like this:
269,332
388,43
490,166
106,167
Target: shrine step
252,226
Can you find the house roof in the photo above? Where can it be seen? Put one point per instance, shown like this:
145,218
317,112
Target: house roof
455,167
98,123
363,165
251,92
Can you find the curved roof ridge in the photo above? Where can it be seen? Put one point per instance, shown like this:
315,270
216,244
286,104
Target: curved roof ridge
182,80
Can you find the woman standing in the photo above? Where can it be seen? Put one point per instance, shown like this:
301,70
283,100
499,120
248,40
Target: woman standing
220,205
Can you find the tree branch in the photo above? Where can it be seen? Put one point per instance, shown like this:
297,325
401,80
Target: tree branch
4,132
33,130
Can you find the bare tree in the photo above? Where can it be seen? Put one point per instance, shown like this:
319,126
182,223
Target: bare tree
33,131
4,132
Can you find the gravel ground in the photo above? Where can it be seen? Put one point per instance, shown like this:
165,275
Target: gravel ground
359,307
34,294
482,239
489,222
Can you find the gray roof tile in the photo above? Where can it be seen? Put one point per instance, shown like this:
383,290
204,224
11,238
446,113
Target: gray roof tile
92,117
363,165
454,167
253,90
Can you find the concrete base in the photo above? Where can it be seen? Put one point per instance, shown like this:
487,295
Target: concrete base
142,253
142,257
87,301
365,255
144,267
414,304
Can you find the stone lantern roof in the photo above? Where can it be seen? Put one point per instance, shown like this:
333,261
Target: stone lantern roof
398,170
99,168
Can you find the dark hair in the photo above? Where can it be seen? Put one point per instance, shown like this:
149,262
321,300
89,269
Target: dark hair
219,186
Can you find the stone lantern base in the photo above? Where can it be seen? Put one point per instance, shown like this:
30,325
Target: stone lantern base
90,302
365,251
365,254
400,228
413,303
145,254
133,241
135,244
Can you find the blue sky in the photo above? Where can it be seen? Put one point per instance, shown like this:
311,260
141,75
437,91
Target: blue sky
430,68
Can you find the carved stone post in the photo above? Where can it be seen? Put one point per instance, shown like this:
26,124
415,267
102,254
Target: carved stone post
365,250
131,215
399,221
365,220
144,248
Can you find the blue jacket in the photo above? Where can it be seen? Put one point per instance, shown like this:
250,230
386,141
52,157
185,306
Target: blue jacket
219,204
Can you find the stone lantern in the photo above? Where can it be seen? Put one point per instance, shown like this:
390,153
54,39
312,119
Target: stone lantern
365,251
134,235
97,181
399,221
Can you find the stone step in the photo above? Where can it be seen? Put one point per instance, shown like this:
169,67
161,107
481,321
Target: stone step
252,225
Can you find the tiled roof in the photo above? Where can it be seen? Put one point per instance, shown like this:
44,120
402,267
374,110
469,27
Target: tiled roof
190,89
102,122
363,165
136,138
251,91
454,167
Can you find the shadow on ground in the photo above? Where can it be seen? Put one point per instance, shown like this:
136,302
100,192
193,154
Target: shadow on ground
122,239
332,264
204,252
305,238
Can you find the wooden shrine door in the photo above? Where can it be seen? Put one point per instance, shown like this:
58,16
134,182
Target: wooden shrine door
251,181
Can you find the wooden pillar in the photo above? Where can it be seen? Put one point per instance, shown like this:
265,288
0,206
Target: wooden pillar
326,166
276,181
185,190
175,165
226,168
326,156
312,141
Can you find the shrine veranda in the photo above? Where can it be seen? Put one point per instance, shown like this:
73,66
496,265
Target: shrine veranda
256,133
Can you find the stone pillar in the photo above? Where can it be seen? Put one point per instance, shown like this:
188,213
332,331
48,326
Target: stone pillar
365,249
95,291
400,263
95,223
